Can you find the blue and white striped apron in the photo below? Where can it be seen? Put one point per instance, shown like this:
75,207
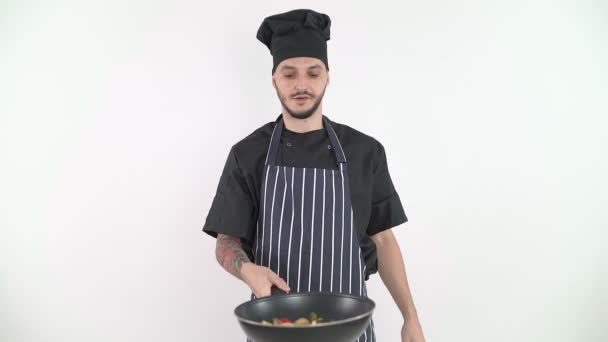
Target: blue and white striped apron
305,228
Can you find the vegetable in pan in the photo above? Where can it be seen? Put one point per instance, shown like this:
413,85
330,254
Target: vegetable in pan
312,319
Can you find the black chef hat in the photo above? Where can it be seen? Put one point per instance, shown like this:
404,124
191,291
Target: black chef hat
297,33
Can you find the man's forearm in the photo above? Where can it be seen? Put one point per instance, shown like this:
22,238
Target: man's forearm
392,272
230,254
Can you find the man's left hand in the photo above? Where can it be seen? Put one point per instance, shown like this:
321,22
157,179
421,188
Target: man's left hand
412,331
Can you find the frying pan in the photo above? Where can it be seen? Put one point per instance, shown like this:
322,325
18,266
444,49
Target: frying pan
345,317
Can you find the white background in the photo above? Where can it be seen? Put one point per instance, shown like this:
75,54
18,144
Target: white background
116,118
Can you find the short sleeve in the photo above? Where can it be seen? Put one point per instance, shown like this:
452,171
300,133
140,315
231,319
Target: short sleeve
387,210
232,211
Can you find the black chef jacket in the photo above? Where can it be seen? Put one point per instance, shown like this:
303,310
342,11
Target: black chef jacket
376,204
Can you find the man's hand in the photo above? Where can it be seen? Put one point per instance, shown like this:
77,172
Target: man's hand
260,279
412,331
392,271
231,256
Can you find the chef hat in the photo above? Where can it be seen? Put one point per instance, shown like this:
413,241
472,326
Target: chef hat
297,33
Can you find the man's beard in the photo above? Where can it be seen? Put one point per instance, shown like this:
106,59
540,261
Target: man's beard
302,114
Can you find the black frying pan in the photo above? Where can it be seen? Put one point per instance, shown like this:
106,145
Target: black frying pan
347,316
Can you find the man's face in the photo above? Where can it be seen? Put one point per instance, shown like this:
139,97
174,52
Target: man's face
300,83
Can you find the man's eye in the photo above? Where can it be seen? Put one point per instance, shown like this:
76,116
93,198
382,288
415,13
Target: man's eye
314,75
288,76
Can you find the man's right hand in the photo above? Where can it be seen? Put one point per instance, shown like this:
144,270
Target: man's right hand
260,279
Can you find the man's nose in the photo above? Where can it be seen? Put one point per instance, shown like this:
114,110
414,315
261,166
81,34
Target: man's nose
300,86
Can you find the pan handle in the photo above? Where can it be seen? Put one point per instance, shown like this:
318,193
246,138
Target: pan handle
276,291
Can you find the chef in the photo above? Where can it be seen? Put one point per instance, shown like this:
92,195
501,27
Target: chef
305,203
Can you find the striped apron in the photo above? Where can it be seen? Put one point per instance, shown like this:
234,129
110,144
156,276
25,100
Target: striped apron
305,228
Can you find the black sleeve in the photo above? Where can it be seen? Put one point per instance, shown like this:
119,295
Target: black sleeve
387,211
232,211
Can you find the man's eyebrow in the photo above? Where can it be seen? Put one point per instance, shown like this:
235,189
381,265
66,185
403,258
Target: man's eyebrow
289,67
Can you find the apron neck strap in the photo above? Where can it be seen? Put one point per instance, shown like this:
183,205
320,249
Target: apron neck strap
273,148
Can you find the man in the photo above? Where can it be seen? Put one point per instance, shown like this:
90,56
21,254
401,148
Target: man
305,203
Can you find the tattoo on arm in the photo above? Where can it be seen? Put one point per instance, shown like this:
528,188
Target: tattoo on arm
230,254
